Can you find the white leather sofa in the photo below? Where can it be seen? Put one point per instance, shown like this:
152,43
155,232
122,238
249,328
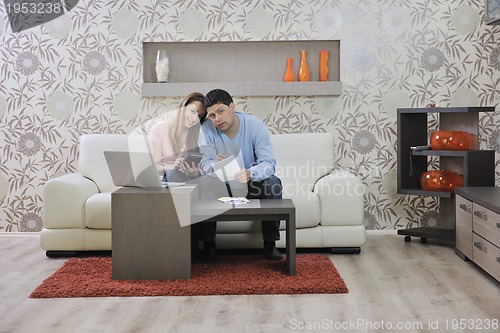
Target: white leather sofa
329,203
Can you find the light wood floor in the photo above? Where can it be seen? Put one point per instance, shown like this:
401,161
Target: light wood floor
391,282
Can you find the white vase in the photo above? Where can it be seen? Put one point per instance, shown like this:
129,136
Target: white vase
162,68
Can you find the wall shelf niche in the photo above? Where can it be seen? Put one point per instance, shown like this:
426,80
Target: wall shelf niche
246,68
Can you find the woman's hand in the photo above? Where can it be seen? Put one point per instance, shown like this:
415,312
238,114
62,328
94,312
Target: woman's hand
178,163
191,170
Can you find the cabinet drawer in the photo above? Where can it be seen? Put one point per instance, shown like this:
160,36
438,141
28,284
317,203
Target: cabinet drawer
486,223
463,230
487,256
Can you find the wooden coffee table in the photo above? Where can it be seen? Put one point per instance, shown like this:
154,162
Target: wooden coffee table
151,229
260,210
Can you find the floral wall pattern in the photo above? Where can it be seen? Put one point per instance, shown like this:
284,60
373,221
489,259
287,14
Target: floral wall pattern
82,72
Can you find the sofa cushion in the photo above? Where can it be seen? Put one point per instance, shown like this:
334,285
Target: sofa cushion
98,211
307,210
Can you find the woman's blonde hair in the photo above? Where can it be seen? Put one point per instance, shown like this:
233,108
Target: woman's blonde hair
178,126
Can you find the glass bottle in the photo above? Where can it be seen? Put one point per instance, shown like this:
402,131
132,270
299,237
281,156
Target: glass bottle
162,68
304,74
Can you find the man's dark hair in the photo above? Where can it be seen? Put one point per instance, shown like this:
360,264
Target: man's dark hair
217,96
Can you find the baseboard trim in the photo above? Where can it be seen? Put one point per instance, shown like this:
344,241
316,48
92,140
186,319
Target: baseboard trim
382,232
19,234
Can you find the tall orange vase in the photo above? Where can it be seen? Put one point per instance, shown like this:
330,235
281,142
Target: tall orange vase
304,74
323,65
289,76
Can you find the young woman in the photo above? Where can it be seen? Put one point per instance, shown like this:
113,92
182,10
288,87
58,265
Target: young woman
170,140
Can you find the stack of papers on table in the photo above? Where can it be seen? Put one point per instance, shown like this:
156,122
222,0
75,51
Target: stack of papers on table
234,200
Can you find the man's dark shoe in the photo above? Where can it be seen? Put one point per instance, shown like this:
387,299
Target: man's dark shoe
209,251
271,252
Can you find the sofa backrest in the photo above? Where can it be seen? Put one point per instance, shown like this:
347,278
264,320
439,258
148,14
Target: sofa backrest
301,159
92,163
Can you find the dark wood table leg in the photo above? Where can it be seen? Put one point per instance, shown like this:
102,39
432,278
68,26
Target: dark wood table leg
291,245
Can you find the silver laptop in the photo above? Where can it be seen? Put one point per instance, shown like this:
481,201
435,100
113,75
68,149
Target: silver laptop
135,169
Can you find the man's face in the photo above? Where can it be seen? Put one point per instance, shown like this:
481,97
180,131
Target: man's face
222,116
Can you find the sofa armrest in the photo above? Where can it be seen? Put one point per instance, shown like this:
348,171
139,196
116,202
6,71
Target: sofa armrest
64,200
341,197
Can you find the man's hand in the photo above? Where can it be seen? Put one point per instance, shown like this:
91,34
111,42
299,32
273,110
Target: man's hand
220,157
243,176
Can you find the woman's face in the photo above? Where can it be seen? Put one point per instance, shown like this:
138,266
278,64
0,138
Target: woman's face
192,113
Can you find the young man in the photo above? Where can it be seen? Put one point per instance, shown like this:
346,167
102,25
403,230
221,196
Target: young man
231,134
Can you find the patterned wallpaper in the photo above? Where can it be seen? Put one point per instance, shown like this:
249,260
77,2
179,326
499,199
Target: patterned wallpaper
82,72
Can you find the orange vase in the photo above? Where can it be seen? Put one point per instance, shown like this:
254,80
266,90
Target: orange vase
289,76
304,74
453,140
323,65
441,180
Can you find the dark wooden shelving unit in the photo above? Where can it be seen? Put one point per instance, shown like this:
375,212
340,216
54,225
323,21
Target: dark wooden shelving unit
477,166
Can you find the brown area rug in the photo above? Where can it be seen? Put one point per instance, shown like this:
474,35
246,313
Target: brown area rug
228,275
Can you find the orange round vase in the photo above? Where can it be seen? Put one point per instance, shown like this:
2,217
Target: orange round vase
453,140
441,180
289,76
304,74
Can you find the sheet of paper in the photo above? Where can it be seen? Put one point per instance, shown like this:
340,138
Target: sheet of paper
227,168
